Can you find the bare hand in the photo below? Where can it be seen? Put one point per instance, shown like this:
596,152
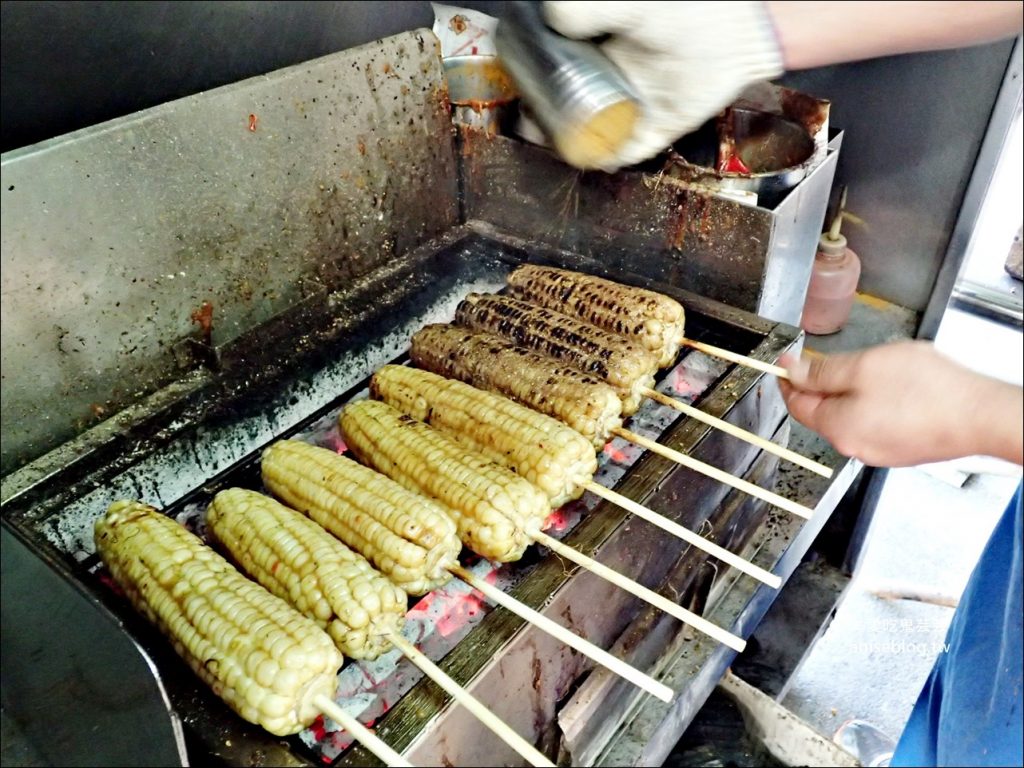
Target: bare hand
904,404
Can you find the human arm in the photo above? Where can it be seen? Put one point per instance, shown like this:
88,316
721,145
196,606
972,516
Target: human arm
903,404
814,34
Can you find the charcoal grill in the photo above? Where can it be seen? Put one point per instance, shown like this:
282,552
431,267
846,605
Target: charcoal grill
304,260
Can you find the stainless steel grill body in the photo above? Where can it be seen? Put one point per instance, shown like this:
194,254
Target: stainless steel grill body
320,241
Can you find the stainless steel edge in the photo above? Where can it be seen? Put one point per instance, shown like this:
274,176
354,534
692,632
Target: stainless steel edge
1008,104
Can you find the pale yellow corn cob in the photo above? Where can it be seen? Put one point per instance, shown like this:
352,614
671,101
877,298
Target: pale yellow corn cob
312,571
627,366
407,537
495,364
493,508
650,318
549,454
260,655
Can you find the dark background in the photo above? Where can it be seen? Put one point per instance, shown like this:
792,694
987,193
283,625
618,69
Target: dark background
68,65
913,124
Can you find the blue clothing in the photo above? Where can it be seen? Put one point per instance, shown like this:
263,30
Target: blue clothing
969,712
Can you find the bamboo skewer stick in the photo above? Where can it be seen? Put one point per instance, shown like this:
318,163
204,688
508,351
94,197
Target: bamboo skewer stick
716,474
733,357
742,434
360,732
470,702
685,534
652,597
588,649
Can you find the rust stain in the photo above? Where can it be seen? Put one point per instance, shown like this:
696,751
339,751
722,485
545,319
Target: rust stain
203,317
253,120
458,24
678,224
692,215
806,110
443,99
537,670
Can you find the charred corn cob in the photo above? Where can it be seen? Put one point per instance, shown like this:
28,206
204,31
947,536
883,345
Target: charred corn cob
651,319
409,538
493,508
612,358
495,364
549,454
262,657
312,571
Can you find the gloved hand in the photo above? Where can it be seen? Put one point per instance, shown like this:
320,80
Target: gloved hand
686,60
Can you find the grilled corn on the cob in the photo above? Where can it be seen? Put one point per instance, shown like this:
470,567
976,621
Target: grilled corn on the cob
652,319
409,538
314,572
627,366
495,364
493,508
549,454
262,657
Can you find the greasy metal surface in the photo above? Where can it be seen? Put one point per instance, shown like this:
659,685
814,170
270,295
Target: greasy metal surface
62,533
61,462
365,327
776,150
267,381
130,245
58,654
707,245
748,257
799,219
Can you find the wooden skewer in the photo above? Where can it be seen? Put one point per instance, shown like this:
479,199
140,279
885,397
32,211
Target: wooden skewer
470,702
360,732
742,434
587,648
652,597
717,474
685,534
733,357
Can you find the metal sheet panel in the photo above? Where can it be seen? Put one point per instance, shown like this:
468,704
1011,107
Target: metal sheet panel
200,219
59,650
914,126
748,257
798,224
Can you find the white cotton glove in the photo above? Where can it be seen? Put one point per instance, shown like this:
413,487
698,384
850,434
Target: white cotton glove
686,60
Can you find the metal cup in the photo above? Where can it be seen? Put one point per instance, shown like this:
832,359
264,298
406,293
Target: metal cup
566,83
479,90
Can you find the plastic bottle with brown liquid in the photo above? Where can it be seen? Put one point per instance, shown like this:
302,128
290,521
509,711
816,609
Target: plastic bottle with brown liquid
832,288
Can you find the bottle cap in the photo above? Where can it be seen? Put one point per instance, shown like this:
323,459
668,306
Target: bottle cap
832,246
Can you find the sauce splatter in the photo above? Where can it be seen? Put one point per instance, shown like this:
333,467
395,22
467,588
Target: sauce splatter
253,120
